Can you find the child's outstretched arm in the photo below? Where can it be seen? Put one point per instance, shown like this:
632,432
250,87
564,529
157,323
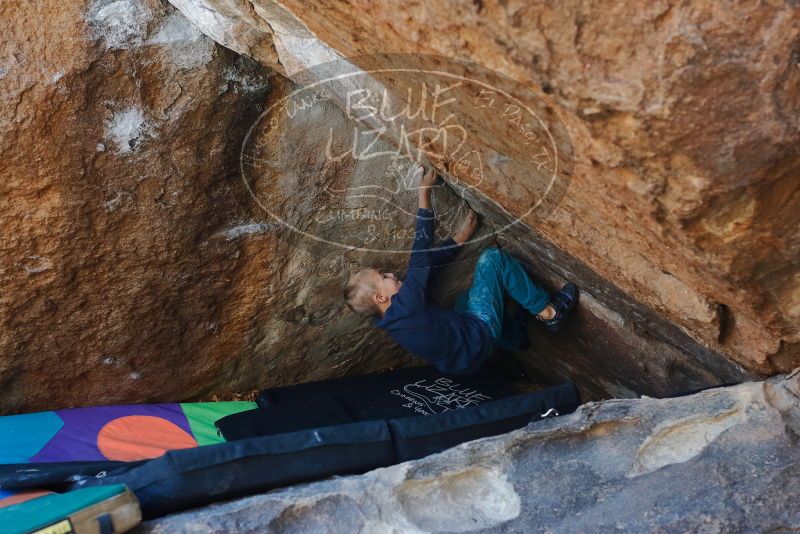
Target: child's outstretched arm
413,291
439,256
428,181
423,237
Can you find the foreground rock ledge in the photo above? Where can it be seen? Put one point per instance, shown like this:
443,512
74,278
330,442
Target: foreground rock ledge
723,460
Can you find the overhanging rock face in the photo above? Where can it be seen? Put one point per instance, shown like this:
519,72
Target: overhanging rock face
681,218
117,130
135,264
723,460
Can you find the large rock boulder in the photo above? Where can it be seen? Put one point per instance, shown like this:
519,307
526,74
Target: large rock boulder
723,460
139,265
136,264
118,280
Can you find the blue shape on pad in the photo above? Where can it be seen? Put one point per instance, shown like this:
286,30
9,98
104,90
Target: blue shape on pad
22,436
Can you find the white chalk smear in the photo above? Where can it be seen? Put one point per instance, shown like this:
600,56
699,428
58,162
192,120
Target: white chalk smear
126,127
120,23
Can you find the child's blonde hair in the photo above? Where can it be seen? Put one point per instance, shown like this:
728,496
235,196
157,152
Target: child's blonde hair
359,294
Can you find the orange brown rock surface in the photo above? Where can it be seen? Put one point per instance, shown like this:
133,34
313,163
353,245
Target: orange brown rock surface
133,263
685,126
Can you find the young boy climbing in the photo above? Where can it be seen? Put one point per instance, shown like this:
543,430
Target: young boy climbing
456,341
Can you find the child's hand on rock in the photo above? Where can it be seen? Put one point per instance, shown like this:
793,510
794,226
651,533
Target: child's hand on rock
429,180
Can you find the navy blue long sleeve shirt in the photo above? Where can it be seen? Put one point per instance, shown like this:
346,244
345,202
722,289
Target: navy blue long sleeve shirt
452,341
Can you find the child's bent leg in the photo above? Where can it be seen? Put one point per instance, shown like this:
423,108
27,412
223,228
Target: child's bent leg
485,299
500,271
513,335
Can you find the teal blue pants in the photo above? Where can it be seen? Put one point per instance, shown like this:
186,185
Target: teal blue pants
496,275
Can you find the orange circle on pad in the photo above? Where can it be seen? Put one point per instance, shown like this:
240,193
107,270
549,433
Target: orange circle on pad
140,437
23,497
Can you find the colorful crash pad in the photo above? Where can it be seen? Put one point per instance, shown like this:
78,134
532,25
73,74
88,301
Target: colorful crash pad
124,433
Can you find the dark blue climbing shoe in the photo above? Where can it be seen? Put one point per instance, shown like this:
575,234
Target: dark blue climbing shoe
563,302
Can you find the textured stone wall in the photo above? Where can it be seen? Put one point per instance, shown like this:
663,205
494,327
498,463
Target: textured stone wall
119,283
135,264
681,216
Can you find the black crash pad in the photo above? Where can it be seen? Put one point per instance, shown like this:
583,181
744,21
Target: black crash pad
187,478
416,437
410,391
402,393
312,431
